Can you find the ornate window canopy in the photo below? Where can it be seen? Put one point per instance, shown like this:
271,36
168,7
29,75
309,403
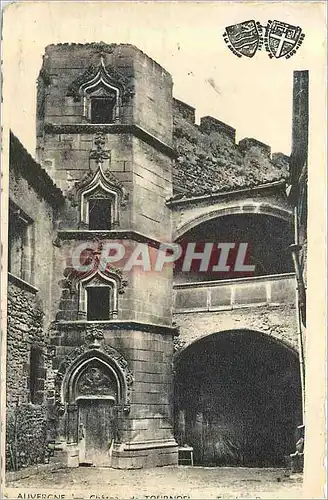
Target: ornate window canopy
110,282
102,185
101,82
101,78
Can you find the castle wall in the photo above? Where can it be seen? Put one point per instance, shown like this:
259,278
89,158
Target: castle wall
209,160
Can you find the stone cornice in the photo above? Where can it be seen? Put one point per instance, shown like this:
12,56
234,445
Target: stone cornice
120,325
115,128
233,281
116,234
24,285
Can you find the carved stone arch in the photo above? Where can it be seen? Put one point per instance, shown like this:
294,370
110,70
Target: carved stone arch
181,345
79,379
214,212
75,365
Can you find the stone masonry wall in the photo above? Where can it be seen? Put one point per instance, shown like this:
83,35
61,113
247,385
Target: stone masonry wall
278,322
26,422
29,312
43,252
26,436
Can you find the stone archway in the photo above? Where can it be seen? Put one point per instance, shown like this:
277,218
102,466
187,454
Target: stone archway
237,399
93,395
195,216
95,390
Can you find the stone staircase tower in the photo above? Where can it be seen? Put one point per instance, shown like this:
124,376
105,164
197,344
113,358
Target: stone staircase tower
104,134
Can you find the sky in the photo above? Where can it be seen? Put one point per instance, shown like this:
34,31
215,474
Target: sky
254,95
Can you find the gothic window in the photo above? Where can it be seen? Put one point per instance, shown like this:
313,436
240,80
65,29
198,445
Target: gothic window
100,198
102,96
98,303
102,109
103,90
98,298
100,213
19,243
35,375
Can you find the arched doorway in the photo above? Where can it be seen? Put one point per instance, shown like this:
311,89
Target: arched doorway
94,391
96,394
237,399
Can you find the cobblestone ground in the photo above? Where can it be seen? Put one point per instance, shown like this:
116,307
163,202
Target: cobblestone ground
164,482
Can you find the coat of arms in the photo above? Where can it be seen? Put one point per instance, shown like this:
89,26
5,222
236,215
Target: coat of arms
244,39
282,39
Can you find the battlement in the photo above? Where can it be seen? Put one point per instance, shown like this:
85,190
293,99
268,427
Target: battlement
248,143
209,160
187,111
209,124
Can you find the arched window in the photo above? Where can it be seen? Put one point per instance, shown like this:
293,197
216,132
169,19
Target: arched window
104,90
98,298
101,97
100,199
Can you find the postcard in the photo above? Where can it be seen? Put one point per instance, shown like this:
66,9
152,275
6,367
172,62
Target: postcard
164,241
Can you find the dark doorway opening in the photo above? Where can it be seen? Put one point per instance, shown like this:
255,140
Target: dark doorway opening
238,400
98,299
99,214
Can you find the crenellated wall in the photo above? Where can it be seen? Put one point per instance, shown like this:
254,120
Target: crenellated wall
210,161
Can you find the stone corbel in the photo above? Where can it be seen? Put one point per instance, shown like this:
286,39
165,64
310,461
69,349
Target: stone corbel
92,336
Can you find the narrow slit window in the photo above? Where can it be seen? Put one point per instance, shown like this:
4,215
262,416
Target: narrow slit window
102,110
35,365
98,303
100,214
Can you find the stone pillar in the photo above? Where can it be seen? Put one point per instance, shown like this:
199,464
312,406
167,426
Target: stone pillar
72,424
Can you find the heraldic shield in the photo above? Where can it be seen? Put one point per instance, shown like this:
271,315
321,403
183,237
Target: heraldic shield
282,39
244,39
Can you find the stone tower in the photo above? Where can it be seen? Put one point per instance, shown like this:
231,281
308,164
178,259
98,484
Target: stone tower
104,134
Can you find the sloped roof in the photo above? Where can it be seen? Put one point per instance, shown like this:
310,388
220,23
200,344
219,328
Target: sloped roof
209,160
32,171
